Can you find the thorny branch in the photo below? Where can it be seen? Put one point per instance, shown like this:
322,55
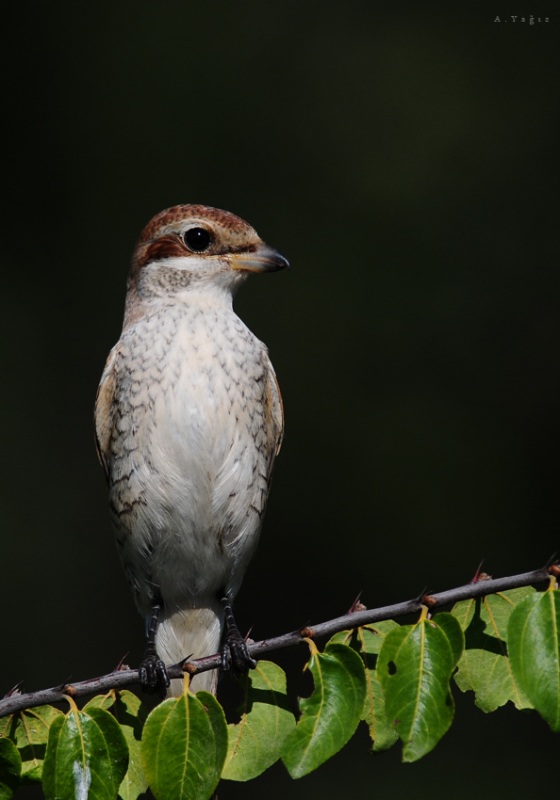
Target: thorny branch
480,586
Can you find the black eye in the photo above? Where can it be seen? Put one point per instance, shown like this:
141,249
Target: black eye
197,239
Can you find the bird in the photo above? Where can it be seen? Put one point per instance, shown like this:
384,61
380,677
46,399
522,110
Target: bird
188,423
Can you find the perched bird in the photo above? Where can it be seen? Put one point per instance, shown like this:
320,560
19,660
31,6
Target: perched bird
188,423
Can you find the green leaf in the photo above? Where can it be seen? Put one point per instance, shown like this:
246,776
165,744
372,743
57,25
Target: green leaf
10,768
383,734
86,756
31,735
256,740
415,666
534,649
219,726
484,667
105,701
330,716
367,642
184,746
7,726
131,714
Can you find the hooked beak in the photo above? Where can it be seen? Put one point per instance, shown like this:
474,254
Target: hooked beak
263,259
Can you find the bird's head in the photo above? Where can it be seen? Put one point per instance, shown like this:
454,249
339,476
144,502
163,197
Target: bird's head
197,247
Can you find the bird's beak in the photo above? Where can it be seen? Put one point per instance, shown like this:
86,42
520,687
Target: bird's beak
262,259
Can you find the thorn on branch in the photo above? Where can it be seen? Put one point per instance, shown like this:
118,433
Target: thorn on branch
554,567
420,598
357,605
429,600
121,665
478,573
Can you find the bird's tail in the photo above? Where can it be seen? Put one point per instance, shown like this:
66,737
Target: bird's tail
191,633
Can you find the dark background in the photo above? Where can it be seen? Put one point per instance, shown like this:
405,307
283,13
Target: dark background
405,160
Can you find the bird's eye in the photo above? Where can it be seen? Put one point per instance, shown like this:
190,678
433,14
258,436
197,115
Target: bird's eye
197,239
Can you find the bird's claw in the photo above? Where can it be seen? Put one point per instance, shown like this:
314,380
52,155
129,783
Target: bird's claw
235,653
236,656
153,674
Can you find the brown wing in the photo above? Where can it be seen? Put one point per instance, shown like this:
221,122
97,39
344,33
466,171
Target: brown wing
104,410
274,414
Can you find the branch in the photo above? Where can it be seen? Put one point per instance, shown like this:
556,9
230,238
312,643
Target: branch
479,587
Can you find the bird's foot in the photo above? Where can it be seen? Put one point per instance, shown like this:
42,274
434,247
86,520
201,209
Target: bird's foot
153,674
235,652
236,656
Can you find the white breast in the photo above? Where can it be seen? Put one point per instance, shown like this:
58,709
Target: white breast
191,456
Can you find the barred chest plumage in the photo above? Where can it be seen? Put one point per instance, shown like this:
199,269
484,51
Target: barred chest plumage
190,451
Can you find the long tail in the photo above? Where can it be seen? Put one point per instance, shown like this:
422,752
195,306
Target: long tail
191,633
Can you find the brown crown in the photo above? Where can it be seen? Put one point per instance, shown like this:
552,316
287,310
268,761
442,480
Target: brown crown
176,213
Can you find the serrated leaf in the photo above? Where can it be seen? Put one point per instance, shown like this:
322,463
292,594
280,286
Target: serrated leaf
131,714
534,650
382,732
415,666
331,714
31,735
105,701
10,768
218,722
184,746
495,617
367,642
86,757
484,667
378,631
7,726
255,742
